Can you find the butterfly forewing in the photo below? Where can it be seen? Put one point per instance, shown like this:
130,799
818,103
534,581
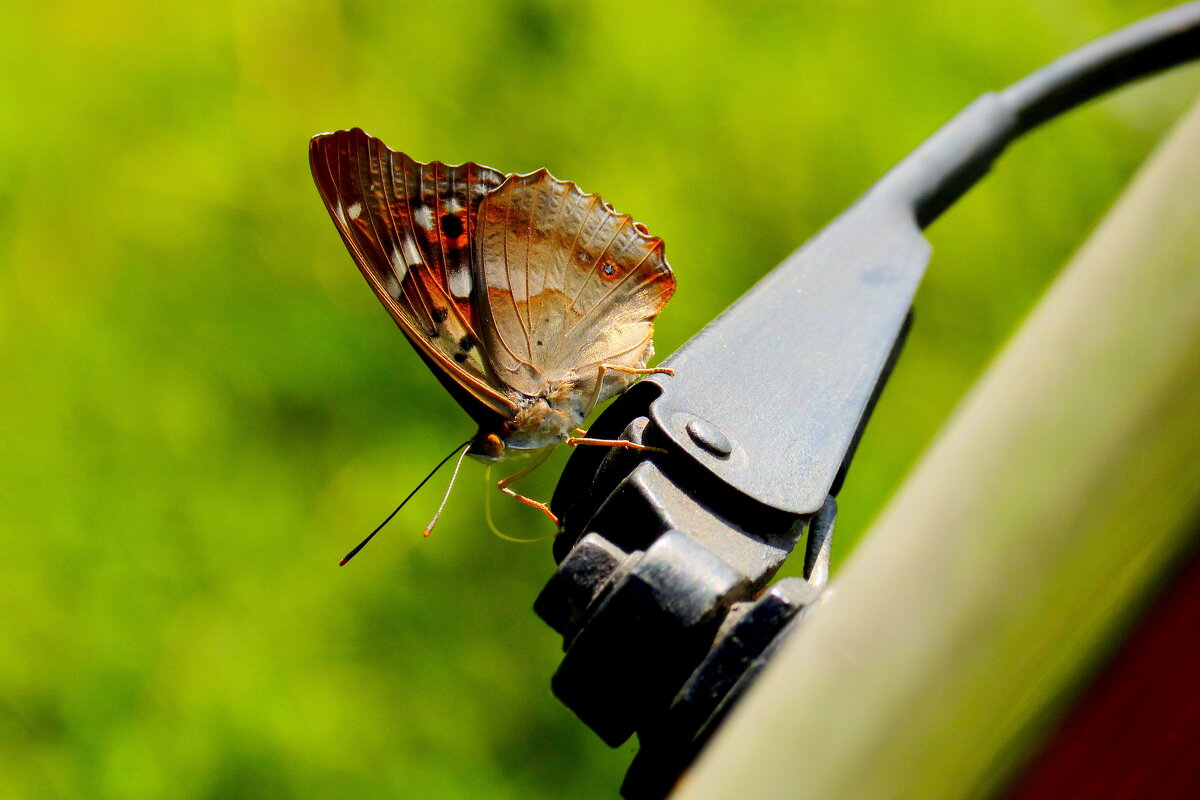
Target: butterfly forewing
408,226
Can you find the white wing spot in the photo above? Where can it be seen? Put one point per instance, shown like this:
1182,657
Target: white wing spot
424,217
460,282
355,209
393,286
341,214
400,268
453,206
411,254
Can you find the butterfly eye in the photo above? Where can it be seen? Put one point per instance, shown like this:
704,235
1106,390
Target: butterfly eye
493,446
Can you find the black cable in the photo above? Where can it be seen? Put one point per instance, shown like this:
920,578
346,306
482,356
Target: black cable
951,161
1143,48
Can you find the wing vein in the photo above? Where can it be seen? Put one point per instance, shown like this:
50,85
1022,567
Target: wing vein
405,289
609,293
528,226
561,266
512,297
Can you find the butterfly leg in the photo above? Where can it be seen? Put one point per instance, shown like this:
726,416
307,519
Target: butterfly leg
633,370
621,443
619,368
504,483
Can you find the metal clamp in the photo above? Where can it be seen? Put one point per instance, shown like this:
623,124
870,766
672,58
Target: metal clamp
659,596
664,554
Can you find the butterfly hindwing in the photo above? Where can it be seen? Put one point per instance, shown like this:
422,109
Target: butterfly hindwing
409,227
571,284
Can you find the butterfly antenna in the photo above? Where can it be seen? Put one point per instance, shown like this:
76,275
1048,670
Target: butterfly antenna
441,463
445,497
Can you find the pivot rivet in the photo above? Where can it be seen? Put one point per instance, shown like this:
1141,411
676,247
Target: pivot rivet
709,438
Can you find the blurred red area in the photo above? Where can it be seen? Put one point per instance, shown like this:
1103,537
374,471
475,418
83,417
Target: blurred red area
1135,731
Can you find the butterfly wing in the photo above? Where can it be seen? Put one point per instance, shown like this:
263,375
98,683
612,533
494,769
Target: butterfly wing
571,284
409,227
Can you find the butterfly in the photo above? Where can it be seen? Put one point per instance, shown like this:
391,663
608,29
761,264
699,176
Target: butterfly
529,299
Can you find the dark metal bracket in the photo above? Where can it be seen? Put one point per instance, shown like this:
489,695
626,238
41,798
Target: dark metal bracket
665,555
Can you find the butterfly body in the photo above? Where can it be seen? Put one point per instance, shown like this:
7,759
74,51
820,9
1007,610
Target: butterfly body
547,419
530,300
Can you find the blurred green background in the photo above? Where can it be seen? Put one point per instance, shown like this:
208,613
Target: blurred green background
203,406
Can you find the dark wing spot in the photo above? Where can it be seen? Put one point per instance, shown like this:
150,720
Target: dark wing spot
452,226
609,269
439,315
539,343
466,343
460,357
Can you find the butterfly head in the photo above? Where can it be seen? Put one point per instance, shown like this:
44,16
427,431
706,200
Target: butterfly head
487,446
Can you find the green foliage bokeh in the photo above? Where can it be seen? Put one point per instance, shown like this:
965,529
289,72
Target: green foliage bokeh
202,405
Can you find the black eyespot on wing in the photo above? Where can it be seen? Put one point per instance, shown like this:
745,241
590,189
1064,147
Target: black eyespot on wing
461,357
439,315
452,226
465,344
